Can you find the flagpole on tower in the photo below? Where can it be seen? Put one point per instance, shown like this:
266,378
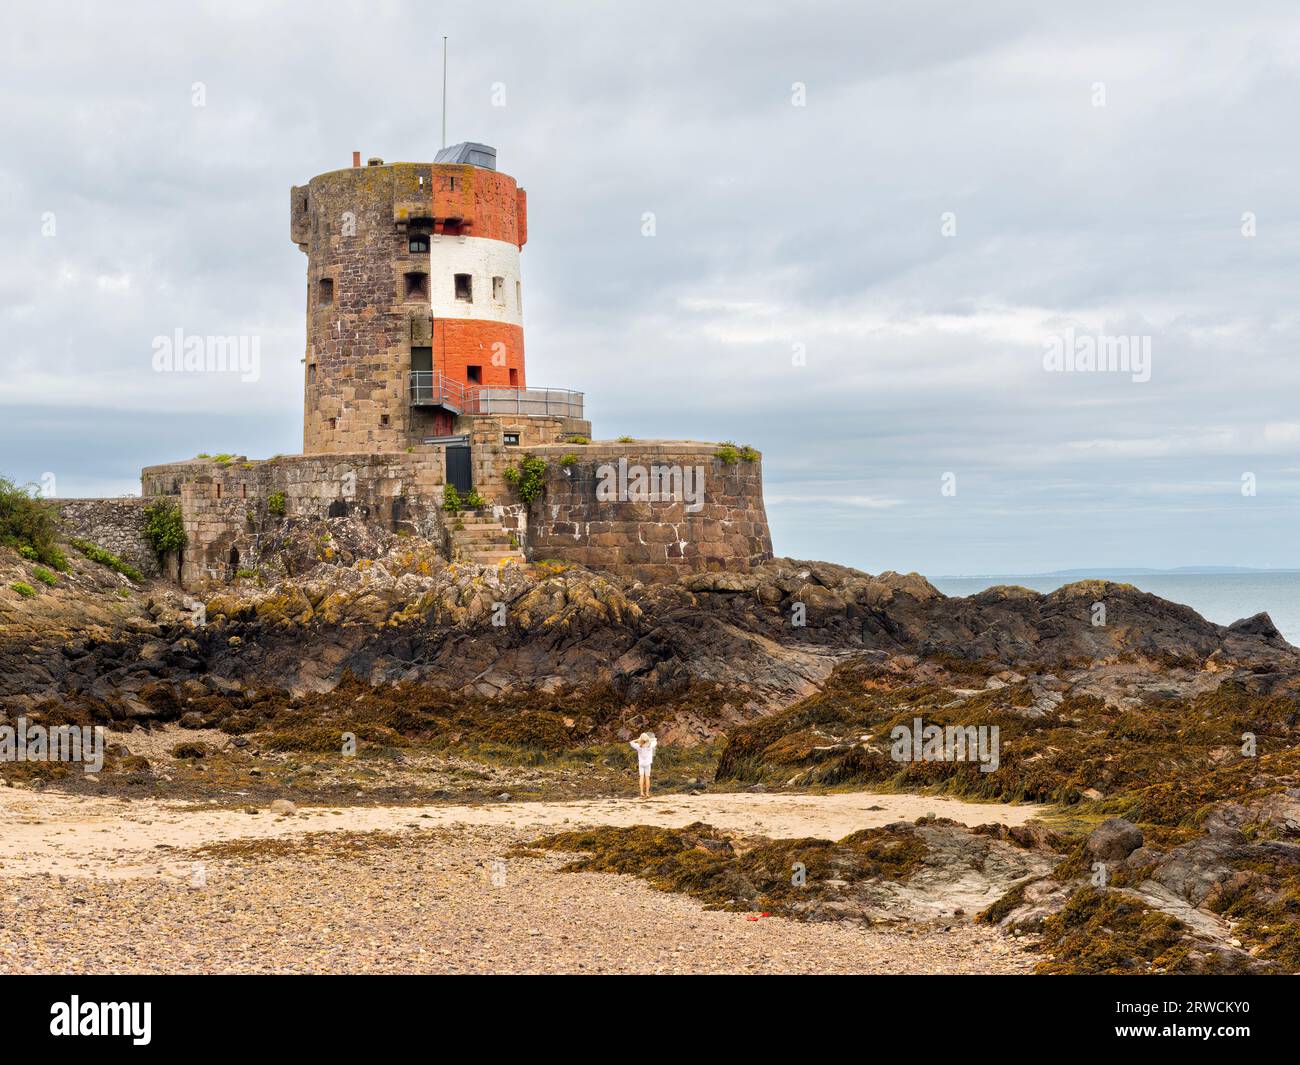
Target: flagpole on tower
444,92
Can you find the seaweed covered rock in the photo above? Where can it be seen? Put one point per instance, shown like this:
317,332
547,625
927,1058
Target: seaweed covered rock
1093,732
1216,887
933,871
1110,932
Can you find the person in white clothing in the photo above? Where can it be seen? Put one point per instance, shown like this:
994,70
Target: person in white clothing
644,746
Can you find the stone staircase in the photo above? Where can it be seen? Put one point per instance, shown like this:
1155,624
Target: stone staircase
475,536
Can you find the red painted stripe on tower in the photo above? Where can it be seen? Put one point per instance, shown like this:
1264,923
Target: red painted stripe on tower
484,202
459,343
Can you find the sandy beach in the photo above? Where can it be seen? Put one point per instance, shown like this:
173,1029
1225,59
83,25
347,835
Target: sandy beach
100,885
48,832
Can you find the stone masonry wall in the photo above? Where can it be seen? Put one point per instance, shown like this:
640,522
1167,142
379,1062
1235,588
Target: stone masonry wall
227,512
359,334
490,455
116,525
228,521
649,540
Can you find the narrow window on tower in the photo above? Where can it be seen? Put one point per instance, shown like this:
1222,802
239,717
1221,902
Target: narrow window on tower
499,289
326,291
311,373
333,422
417,286
383,419
519,297
514,378
474,374
451,182
465,288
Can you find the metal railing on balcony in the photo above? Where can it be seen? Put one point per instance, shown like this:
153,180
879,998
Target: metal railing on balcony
557,402
431,389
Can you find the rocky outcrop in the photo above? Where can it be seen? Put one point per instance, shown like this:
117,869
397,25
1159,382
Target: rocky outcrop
346,595
1225,897
1260,625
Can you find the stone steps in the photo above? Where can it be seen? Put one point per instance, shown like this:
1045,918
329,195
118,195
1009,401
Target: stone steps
480,539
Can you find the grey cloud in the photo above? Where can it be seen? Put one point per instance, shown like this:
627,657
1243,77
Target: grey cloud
776,225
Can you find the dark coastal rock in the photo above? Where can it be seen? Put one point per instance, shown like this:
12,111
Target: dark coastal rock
1256,625
1113,840
1196,869
389,610
1142,858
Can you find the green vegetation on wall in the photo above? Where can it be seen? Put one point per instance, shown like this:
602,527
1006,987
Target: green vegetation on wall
164,528
97,554
527,478
729,453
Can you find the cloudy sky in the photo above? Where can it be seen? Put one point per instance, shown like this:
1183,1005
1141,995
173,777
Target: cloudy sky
872,221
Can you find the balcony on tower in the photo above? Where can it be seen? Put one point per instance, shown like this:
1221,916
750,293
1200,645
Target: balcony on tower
432,389
429,388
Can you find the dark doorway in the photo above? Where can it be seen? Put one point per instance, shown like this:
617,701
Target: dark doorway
458,471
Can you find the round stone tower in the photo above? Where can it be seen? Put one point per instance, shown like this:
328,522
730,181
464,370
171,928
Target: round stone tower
414,298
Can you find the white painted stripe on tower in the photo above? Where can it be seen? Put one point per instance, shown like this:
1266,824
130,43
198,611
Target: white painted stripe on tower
483,260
